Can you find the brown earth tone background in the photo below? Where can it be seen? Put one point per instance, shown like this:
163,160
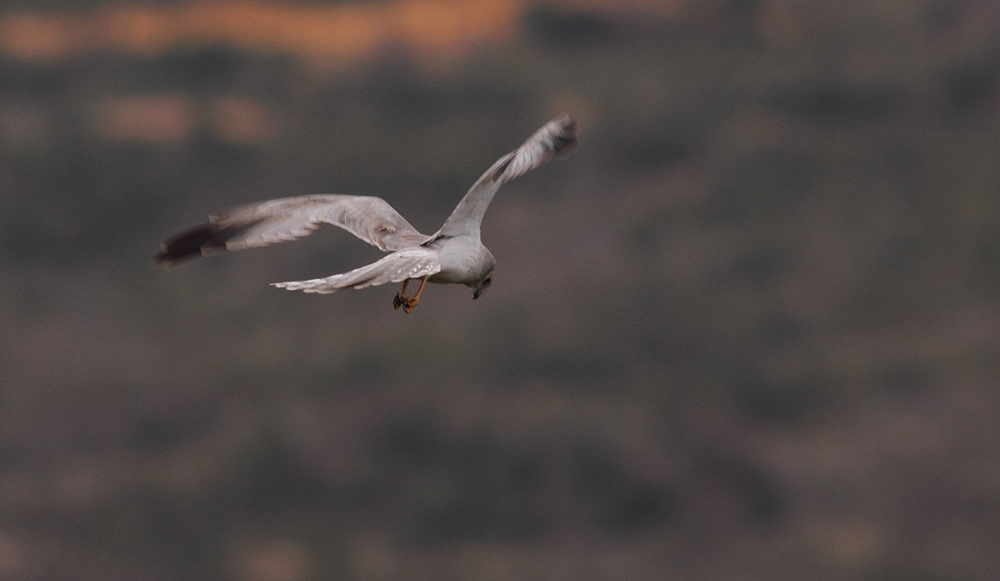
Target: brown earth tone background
750,330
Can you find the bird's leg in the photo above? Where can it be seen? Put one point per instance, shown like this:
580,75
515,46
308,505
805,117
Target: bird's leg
400,298
411,302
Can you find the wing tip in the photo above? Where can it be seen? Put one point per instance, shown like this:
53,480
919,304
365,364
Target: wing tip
564,137
207,238
186,246
317,286
555,139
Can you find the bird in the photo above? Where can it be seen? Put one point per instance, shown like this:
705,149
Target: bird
454,254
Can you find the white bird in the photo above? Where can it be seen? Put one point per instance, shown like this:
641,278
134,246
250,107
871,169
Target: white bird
454,254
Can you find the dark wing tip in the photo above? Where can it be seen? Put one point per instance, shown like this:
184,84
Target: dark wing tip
187,245
196,242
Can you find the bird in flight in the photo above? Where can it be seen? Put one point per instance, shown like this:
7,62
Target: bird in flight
454,254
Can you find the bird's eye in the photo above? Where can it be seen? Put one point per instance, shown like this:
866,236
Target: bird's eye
487,282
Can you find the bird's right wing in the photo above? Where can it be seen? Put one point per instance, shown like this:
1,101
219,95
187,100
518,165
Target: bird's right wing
554,138
369,218
396,267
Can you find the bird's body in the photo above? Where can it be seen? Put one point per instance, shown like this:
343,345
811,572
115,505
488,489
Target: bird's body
454,254
463,260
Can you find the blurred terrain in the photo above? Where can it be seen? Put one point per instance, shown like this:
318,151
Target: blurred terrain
749,330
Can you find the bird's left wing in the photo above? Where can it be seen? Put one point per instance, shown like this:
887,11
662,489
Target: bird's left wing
396,267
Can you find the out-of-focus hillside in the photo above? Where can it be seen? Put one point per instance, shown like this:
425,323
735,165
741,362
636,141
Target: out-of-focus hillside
748,330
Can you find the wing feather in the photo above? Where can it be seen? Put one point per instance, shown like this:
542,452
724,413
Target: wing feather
367,217
555,138
396,267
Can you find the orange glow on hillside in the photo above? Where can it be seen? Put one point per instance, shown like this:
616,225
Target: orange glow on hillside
315,31
338,32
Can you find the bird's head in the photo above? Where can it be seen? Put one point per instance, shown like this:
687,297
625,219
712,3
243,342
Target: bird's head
482,285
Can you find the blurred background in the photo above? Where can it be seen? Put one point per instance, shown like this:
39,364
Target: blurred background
749,330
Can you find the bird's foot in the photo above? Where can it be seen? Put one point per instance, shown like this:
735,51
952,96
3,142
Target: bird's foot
408,303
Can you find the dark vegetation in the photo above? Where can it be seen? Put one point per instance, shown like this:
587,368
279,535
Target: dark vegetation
750,330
